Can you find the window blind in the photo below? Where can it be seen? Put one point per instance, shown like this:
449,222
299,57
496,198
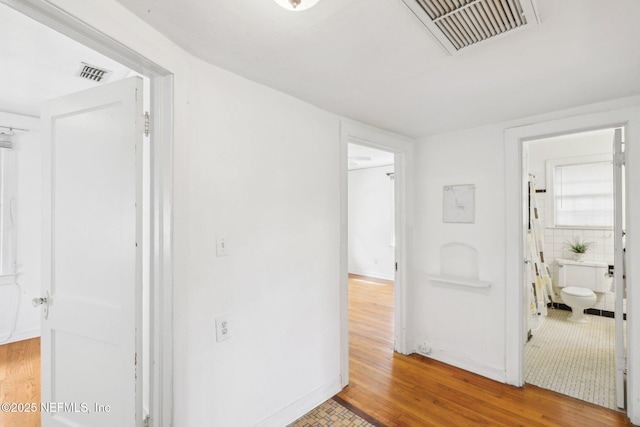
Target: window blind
583,195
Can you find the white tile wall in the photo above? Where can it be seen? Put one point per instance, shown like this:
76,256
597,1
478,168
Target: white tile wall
556,246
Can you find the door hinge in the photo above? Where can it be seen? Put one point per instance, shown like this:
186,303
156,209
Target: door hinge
396,266
620,159
147,124
147,421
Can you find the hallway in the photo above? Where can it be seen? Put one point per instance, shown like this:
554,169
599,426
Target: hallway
398,390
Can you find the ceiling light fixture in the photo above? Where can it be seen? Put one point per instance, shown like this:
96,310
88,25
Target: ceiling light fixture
297,5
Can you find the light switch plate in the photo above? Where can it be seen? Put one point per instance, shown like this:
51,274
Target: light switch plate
222,244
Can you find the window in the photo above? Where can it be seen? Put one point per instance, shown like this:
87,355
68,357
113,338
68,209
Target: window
581,191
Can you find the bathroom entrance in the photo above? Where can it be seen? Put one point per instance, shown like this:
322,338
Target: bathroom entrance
574,291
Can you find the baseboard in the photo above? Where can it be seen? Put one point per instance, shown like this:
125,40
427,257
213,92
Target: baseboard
300,407
374,274
23,335
468,365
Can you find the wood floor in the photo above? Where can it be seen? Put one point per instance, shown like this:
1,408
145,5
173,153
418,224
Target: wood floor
20,381
391,389
398,390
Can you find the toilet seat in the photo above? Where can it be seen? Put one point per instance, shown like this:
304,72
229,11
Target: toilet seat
578,292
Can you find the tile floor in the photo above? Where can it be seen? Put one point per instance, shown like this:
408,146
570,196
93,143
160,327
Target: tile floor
574,359
331,414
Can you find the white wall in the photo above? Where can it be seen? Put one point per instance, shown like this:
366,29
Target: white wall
463,326
241,174
27,213
238,170
371,222
469,328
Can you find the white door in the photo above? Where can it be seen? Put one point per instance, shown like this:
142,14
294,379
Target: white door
618,275
91,321
527,278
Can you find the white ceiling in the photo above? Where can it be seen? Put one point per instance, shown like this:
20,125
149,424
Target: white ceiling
370,60
361,157
38,64
373,61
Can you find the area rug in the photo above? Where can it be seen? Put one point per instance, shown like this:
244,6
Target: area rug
334,413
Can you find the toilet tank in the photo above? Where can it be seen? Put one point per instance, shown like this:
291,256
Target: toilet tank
583,274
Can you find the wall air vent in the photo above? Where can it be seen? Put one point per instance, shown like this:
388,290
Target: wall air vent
93,73
457,24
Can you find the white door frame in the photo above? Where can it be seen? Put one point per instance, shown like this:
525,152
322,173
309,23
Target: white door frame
355,133
161,274
514,331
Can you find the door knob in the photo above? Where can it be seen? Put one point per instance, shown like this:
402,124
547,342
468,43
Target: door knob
44,302
38,301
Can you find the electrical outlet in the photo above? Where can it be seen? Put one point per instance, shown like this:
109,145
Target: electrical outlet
223,332
424,348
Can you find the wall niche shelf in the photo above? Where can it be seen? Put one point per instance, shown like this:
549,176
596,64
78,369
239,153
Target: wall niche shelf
459,265
461,281
8,279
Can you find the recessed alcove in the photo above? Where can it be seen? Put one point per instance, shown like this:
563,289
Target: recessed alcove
459,265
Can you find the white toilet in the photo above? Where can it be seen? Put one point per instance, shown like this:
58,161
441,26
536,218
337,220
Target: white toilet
579,280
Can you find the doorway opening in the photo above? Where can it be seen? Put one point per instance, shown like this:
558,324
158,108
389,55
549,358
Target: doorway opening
65,46
371,256
371,207
390,258
573,244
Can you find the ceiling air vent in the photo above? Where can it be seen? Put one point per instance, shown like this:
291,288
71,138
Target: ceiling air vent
93,73
457,24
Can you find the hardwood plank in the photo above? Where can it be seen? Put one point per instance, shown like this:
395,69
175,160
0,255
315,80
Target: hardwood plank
20,381
416,391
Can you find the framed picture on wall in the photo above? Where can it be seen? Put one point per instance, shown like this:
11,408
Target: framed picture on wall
459,203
